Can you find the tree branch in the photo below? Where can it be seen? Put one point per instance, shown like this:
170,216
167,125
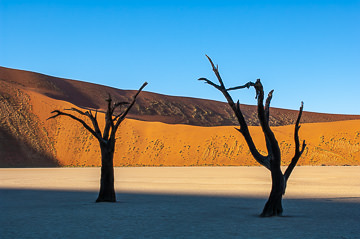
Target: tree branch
94,121
211,83
263,160
119,104
216,71
220,87
58,113
133,101
123,115
298,152
267,105
91,117
244,130
267,116
247,85
76,110
271,142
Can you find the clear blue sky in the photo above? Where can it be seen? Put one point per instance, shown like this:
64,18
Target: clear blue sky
306,50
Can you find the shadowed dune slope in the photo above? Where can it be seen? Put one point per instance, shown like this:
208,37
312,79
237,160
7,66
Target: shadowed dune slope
28,139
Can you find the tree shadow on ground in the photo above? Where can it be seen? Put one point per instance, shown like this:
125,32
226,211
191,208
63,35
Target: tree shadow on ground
74,214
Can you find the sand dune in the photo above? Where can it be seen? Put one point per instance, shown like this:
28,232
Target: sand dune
28,140
151,106
142,143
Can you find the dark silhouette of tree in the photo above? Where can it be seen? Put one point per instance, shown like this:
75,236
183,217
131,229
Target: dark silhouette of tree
272,161
106,139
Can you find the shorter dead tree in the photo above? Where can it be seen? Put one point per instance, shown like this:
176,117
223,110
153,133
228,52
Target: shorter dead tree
106,139
272,161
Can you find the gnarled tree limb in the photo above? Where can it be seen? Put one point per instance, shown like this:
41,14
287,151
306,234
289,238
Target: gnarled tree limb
298,152
263,160
271,142
267,106
247,85
122,116
58,113
91,117
267,117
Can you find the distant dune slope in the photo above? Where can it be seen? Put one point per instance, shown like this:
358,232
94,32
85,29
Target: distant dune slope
28,139
151,106
142,143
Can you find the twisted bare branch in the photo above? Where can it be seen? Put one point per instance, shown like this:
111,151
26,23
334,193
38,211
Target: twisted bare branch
263,160
247,85
91,117
298,152
216,71
86,126
267,117
121,117
267,105
271,142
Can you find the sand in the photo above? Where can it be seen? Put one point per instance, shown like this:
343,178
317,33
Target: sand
142,143
178,202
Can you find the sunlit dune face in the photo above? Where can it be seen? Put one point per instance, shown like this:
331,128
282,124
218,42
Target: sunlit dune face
142,143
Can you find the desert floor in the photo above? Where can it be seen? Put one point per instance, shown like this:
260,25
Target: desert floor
178,202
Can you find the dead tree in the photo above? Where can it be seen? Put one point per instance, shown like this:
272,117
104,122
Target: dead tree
272,160
106,139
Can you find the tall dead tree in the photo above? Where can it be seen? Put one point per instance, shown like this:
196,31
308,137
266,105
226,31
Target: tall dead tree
272,160
106,139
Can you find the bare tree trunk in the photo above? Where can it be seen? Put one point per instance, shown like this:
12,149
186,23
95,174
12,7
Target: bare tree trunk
273,206
107,189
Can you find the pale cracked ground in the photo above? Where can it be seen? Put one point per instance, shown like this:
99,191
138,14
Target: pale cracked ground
187,202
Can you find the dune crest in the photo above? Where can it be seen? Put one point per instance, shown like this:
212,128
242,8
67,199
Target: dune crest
151,106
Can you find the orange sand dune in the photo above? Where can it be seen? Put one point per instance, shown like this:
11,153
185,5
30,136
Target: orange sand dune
28,140
142,143
150,106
